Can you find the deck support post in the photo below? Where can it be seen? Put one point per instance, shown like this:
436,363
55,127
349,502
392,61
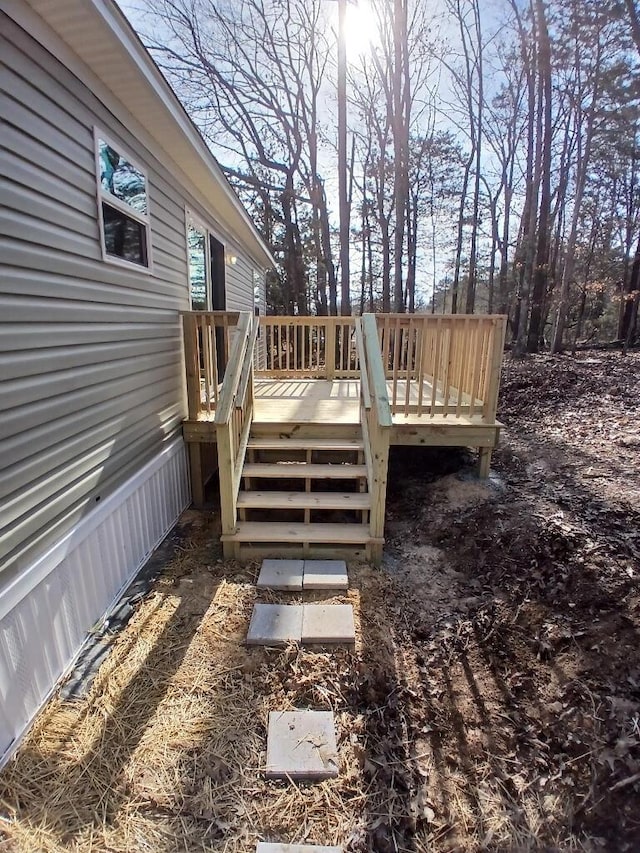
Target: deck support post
197,475
377,422
484,462
227,492
379,438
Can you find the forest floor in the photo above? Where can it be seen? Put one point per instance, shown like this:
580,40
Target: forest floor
491,702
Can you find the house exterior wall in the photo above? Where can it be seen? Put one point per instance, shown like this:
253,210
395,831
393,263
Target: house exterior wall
91,370
90,352
240,285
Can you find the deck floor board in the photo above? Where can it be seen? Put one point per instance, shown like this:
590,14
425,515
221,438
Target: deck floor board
307,401
337,401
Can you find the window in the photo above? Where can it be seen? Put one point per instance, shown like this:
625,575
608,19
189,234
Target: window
206,257
124,208
259,292
198,267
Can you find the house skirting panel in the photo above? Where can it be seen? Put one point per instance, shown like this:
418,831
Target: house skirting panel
46,613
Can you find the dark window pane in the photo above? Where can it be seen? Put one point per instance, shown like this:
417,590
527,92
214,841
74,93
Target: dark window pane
124,237
196,242
120,178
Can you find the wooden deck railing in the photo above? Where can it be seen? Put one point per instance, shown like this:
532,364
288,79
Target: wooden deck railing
207,341
318,347
442,365
377,421
233,419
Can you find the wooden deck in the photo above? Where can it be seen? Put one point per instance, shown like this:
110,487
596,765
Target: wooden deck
326,402
306,401
303,402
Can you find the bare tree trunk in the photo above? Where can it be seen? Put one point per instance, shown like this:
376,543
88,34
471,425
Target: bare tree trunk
541,272
345,297
569,261
455,287
587,272
412,254
523,261
372,305
495,240
583,160
630,313
634,21
503,275
434,264
400,130
477,122
363,253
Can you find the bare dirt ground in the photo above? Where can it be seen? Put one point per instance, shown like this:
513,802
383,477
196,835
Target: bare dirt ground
491,702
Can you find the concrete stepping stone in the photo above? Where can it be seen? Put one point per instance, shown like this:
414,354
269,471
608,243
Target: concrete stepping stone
275,625
281,574
328,623
301,745
325,574
269,847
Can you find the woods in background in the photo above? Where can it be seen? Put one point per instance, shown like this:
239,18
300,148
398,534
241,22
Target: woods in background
493,153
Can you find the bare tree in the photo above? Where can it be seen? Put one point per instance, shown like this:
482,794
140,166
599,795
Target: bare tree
253,73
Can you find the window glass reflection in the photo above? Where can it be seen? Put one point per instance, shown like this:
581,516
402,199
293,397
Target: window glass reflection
196,243
121,179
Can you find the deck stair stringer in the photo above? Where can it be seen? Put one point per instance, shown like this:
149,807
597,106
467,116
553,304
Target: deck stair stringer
304,493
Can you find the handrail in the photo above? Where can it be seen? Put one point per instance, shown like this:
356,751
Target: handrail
364,378
232,377
376,428
233,423
375,367
248,363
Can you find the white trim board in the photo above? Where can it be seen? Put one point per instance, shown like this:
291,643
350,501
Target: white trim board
46,613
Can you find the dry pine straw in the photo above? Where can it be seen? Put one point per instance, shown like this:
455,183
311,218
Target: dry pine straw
165,752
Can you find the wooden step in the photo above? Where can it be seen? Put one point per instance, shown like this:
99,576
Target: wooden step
299,550
304,500
286,470
268,531
297,431
277,443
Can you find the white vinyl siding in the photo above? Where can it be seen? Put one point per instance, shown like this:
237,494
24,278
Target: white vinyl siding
239,285
91,375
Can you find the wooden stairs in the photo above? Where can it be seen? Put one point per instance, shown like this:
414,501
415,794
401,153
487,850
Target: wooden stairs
303,496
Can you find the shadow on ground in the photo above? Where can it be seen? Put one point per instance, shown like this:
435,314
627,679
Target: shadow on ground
521,619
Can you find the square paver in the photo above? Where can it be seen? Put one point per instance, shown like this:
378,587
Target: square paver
301,745
328,623
268,847
275,625
281,574
325,574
